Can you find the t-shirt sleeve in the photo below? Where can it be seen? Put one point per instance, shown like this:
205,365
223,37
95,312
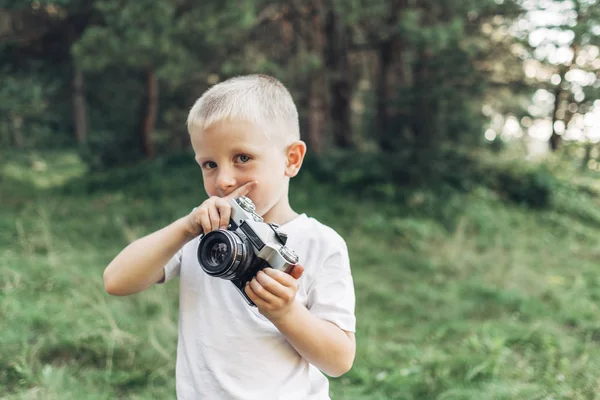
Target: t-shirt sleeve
331,295
173,266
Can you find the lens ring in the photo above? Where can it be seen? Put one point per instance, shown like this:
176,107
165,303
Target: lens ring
221,253
207,257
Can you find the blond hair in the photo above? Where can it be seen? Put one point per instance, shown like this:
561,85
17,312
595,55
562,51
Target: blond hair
260,99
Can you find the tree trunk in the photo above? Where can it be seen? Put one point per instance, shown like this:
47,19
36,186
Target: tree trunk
79,107
6,24
317,103
149,114
391,73
421,110
555,138
340,85
317,112
17,129
385,93
587,156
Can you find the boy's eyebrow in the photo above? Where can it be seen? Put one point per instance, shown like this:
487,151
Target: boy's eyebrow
245,149
234,151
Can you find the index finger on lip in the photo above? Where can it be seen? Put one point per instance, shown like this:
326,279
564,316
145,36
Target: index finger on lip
243,190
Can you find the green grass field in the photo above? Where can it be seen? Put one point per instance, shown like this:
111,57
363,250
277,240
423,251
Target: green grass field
459,296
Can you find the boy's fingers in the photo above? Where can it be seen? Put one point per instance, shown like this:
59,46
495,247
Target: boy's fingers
265,293
202,219
213,215
271,285
205,223
251,294
242,190
284,278
297,271
281,277
224,209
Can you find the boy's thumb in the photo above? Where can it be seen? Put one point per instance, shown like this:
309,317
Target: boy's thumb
297,271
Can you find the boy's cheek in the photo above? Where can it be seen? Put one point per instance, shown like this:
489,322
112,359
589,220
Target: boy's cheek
208,187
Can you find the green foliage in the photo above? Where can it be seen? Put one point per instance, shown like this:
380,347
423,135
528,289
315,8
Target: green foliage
135,35
532,187
440,80
375,175
114,118
26,114
438,77
176,41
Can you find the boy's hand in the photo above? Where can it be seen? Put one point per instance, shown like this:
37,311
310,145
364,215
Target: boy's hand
274,291
214,213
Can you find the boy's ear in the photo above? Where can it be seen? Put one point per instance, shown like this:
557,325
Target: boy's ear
294,156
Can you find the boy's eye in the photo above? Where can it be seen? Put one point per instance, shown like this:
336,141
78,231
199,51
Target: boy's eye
209,165
242,158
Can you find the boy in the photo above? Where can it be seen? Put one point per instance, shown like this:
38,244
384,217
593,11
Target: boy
245,135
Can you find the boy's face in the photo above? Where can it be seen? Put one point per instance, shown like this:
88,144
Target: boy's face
234,152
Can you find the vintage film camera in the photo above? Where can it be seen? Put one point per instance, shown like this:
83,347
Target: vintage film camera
247,246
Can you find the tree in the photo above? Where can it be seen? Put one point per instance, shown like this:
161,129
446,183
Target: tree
35,37
571,62
429,58
137,36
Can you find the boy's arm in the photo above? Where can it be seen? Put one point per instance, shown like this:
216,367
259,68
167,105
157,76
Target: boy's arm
141,263
320,342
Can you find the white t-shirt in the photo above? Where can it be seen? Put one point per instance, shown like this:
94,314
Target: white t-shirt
228,350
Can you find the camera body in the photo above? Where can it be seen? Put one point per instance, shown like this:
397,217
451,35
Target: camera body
247,246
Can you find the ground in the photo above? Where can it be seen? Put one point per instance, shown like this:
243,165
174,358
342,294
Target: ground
460,295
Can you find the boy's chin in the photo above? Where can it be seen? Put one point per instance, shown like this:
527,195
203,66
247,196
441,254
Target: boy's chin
266,210
263,211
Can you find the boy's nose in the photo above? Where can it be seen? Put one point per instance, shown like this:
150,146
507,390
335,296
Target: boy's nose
225,182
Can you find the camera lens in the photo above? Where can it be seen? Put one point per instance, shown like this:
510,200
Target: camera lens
218,254
223,254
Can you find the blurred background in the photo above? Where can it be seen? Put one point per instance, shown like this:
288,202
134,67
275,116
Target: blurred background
453,143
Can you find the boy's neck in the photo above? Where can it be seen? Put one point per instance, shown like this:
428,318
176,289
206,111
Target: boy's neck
281,213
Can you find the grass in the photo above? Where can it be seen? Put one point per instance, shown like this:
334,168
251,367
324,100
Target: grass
460,296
